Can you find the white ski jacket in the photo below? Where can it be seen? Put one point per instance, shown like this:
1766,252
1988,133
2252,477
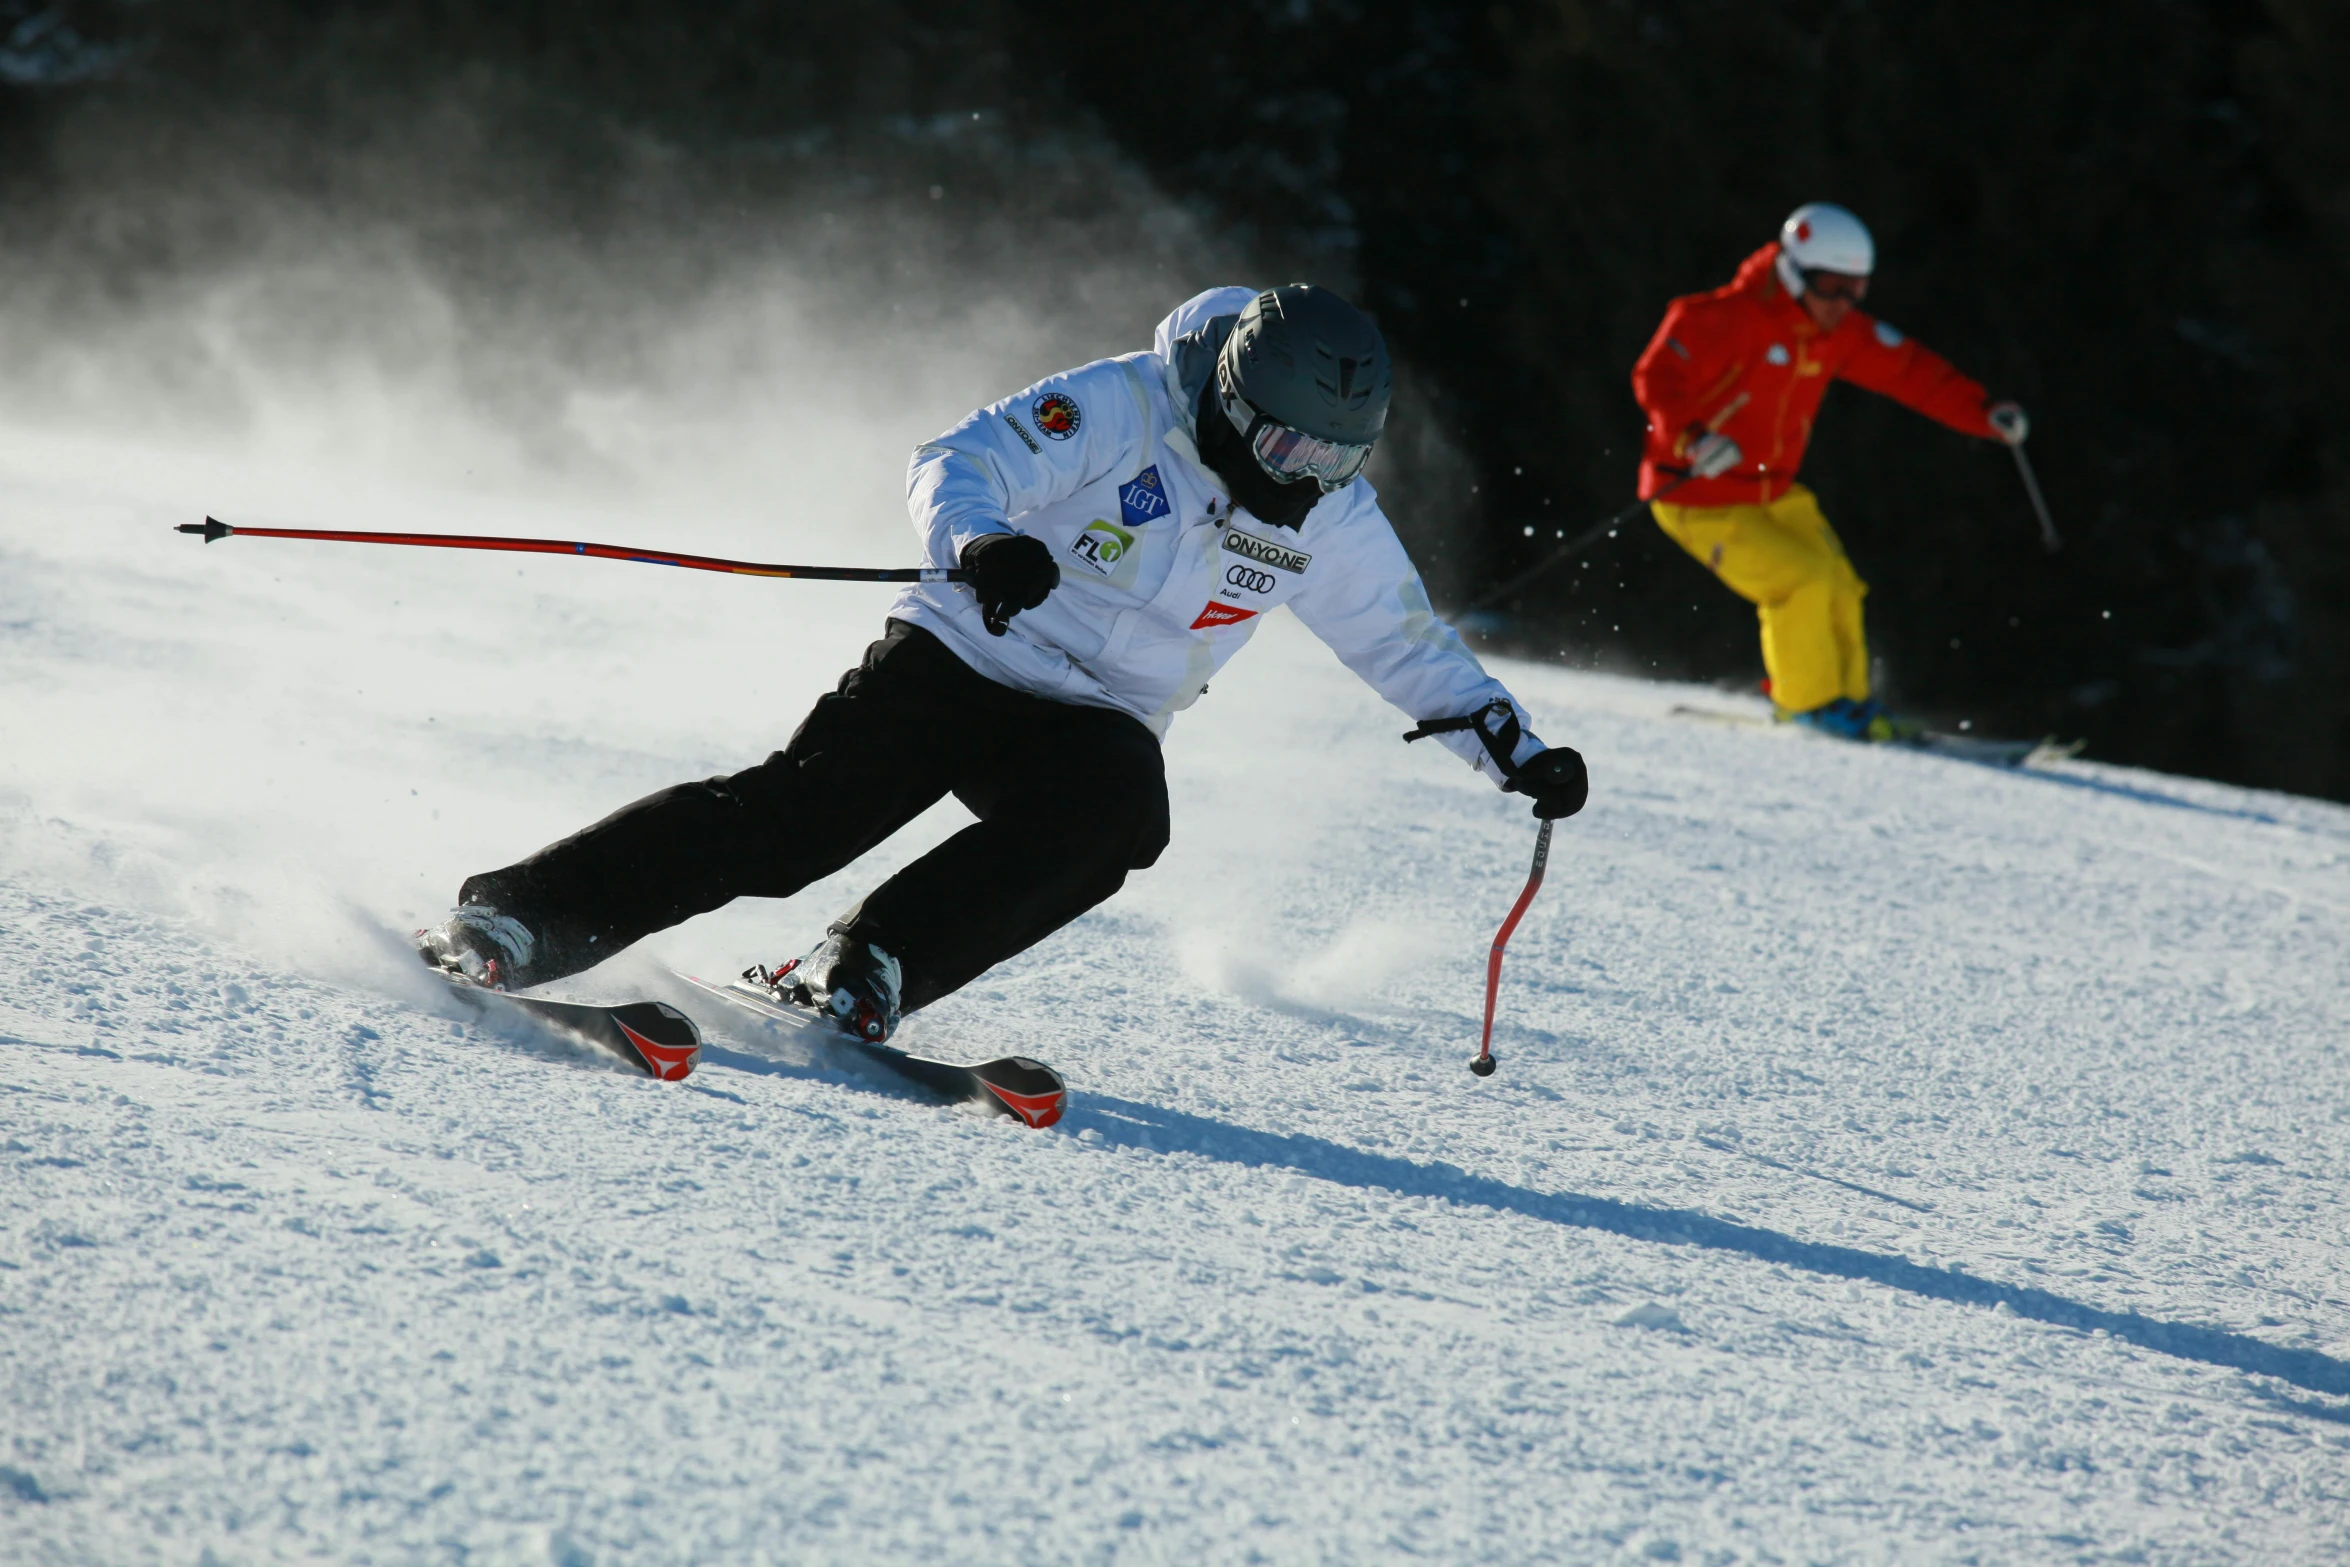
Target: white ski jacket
1162,578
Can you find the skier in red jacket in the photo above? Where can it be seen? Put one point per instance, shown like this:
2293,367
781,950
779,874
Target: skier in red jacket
1730,384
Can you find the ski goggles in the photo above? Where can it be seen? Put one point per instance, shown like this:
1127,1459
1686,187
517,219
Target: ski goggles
1289,455
1836,285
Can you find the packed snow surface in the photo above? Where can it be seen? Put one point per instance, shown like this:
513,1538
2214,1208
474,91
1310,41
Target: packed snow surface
1891,1158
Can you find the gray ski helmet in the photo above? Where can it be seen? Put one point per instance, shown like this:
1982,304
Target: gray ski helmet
1306,358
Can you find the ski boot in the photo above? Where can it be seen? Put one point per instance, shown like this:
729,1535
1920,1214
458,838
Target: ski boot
1845,719
477,945
854,984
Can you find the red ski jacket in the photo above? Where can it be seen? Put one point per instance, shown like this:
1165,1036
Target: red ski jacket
1749,362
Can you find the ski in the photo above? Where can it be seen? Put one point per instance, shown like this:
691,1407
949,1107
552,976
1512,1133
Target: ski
1715,715
1013,1085
1934,742
1993,753
652,1036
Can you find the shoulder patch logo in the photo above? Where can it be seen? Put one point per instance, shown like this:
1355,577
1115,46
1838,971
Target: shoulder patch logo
1265,552
1776,354
1102,545
1889,335
1221,615
1058,415
1143,499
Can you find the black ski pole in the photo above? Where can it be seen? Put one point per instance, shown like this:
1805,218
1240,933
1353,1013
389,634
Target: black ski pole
1483,1064
1573,547
212,528
2023,465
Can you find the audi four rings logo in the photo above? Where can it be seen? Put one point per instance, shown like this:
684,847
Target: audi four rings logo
1252,579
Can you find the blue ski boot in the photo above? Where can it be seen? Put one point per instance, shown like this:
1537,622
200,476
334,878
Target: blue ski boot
1845,719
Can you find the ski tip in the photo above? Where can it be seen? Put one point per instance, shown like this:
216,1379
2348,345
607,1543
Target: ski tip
1028,1089
2051,749
1036,1110
667,1043
211,527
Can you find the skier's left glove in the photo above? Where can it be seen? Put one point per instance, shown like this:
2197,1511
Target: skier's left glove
1556,778
2009,422
1010,572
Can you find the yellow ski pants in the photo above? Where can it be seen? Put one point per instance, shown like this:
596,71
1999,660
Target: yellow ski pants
1785,560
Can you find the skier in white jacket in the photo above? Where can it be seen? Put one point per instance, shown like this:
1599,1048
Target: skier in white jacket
1122,529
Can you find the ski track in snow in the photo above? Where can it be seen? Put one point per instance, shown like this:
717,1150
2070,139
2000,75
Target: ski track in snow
1891,1158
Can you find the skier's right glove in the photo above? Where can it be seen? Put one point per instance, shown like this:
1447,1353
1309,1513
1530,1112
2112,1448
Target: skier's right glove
1711,455
1556,778
1009,572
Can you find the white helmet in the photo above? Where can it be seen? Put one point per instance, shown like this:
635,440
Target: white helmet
1820,236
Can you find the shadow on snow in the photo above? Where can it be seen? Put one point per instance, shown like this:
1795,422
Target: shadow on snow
1173,1131
1159,1130
2145,796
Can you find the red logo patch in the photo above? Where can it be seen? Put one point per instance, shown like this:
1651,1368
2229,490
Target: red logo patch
1057,415
669,1063
1035,1109
1222,615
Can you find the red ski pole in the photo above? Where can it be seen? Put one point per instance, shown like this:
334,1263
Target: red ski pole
1483,1065
211,528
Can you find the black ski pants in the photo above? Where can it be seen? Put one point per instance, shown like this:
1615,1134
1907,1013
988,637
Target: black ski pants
1069,799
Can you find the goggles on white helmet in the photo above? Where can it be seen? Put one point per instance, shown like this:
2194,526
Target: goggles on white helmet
1835,285
1287,454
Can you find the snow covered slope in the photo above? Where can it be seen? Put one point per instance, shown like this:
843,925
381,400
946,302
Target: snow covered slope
1891,1159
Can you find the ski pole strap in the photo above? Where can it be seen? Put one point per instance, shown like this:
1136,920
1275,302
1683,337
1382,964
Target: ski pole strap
1501,740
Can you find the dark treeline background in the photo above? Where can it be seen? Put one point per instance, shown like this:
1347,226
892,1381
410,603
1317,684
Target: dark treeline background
2135,218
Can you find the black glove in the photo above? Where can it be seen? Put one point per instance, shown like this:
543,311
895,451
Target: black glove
1557,779
1010,572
